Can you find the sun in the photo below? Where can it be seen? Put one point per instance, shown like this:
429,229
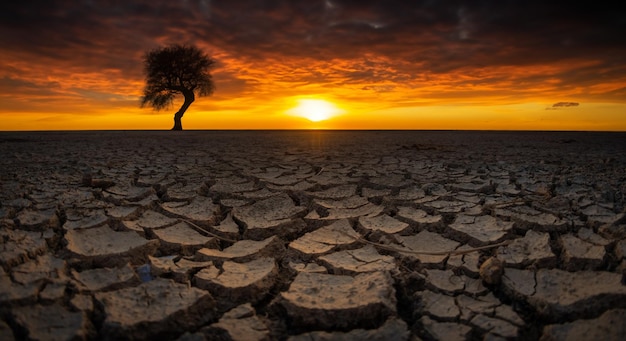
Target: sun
315,110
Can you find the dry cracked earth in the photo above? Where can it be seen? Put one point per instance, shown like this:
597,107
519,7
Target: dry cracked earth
311,235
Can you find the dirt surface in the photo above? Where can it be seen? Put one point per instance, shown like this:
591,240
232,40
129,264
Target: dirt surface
312,235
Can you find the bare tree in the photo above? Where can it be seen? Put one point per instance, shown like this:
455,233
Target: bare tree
175,70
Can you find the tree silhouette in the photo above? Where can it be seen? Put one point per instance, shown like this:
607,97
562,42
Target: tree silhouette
174,70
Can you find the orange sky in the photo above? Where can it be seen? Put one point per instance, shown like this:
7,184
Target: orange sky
382,64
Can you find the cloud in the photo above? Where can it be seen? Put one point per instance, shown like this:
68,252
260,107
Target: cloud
561,105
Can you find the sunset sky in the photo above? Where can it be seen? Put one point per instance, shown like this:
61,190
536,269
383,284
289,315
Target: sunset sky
499,64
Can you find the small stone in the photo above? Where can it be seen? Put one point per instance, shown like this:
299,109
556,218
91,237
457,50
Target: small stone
491,271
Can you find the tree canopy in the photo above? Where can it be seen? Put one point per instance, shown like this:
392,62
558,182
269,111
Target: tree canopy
174,70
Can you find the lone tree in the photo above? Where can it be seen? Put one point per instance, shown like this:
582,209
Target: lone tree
174,70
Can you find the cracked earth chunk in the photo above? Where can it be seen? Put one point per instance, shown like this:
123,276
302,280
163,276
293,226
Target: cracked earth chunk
160,308
53,291
470,307
329,302
106,279
609,326
448,331
18,246
82,302
239,324
393,329
307,267
557,293
5,332
234,202
85,218
442,307
335,192
495,326
326,239
529,218
149,220
129,193
53,322
426,241
480,230
44,267
421,217
368,209
103,246
37,220
383,223
297,187
445,206
227,228
350,202
179,269
199,209
373,193
233,185
122,212
581,255
533,248
181,238
620,249
11,292
365,259
467,262
260,194
589,236
598,215
236,283
183,192
408,194
445,281
272,216
244,250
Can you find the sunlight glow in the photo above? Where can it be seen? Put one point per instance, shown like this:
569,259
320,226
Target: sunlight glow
314,110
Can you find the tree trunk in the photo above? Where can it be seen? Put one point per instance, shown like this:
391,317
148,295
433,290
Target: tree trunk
189,98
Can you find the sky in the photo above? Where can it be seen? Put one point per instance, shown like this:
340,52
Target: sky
485,65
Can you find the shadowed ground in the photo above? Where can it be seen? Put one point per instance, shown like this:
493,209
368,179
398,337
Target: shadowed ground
250,235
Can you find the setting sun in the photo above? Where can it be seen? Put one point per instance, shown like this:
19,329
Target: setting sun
315,110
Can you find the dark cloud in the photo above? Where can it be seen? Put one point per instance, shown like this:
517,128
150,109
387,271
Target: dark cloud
406,43
565,104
